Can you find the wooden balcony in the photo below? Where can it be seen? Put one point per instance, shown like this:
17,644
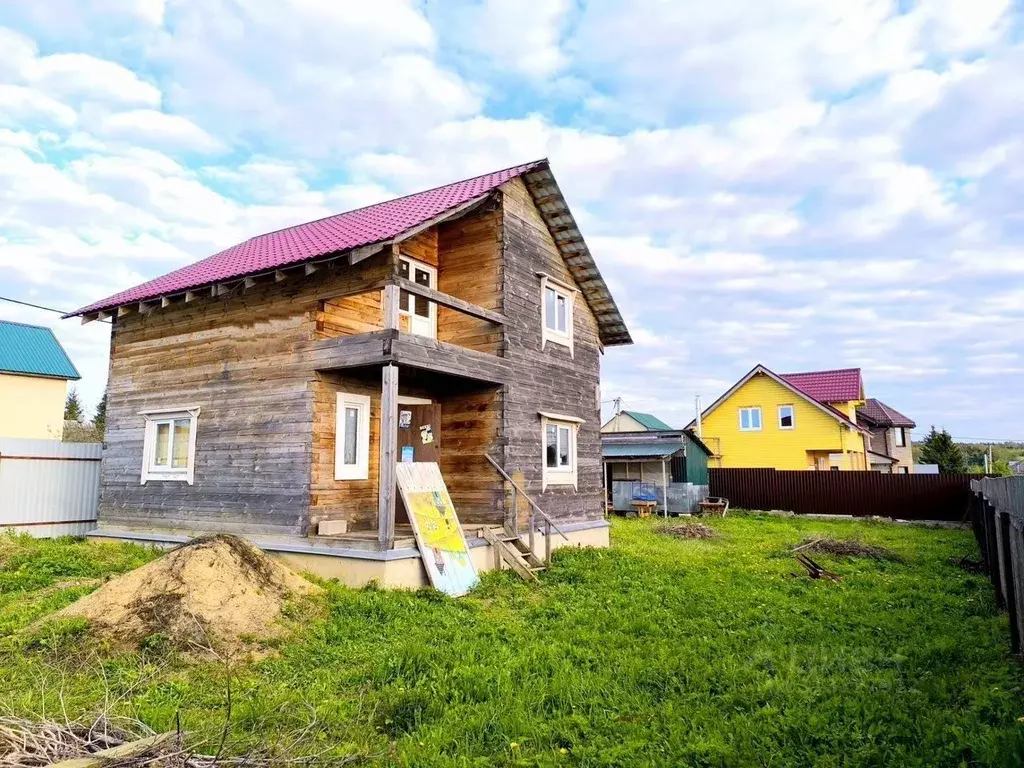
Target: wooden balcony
408,350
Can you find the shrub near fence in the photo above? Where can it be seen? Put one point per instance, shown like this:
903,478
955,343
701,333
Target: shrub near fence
997,515
904,497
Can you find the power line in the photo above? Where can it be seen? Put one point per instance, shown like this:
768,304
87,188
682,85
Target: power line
37,306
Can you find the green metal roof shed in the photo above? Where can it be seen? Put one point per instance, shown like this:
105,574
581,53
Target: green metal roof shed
33,350
648,421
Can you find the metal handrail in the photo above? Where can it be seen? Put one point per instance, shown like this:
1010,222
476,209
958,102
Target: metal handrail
537,509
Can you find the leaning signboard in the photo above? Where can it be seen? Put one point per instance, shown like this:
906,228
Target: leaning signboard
436,527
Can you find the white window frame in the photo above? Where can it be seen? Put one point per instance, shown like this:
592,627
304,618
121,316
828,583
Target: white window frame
361,469
760,418
431,306
792,416
566,292
897,433
567,475
156,416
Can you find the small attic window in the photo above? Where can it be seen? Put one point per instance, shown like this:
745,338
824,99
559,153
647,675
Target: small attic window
557,300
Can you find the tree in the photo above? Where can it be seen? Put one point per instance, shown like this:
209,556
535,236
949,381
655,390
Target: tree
73,407
1001,468
939,448
100,419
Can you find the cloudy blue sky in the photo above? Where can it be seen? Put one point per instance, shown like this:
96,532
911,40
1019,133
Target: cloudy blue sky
799,183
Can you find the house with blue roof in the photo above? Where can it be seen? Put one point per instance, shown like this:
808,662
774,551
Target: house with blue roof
644,458
34,375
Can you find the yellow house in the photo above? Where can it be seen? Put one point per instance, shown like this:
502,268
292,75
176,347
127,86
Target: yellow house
34,375
788,421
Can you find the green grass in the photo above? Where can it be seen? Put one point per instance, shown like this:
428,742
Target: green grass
655,652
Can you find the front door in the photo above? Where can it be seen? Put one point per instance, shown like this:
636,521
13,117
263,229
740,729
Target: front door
416,314
419,432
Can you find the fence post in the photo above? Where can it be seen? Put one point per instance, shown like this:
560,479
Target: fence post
1006,557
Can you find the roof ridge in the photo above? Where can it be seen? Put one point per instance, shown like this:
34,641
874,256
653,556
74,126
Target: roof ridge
396,199
829,370
27,325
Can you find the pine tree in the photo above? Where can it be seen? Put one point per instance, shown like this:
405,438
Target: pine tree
939,448
100,419
73,407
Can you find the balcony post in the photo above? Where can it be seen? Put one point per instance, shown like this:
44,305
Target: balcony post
388,457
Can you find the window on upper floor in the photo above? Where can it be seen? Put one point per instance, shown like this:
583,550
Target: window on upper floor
169,444
557,301
418,314
899,436
750,419
787,417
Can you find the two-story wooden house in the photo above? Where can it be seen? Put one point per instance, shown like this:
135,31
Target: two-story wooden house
271,389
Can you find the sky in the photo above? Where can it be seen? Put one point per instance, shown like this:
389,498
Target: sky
797,183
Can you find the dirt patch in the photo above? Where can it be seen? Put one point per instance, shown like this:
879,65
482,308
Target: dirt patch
847,548
217,593
690,531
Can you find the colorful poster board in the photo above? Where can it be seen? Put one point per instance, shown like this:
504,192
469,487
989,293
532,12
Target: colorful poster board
436,527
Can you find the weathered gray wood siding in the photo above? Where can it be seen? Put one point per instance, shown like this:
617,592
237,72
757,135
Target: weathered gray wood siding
244,360
551,379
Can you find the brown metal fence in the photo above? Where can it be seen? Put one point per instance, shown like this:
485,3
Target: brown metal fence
997,515
904,497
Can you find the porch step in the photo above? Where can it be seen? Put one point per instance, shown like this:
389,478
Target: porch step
514,551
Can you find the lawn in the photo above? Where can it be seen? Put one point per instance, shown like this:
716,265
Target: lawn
658,651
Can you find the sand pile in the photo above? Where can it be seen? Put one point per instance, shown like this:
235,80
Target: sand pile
217,592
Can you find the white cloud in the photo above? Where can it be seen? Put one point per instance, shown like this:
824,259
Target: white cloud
158,129
80,76
21,106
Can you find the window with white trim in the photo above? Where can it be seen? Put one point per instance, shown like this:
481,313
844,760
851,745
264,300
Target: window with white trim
787,417
352,437
421,313
899,436
558,437
557,301
169,444
750,419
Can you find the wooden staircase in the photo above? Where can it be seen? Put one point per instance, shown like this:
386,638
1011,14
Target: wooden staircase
515,552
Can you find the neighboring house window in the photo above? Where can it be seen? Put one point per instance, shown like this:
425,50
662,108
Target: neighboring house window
352,437
422,314
558,436
169,444
904,470
900,436
557,301
750,419
787,417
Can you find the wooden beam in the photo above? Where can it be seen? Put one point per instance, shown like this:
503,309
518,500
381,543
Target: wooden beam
88,318
105,314
279,276
190,296
124,310
452,302
388,456
454,213
368,286
309,269
360,254
250,282
165,301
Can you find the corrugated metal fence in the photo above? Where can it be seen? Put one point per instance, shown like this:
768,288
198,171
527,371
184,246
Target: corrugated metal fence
997,514
904,497
49,488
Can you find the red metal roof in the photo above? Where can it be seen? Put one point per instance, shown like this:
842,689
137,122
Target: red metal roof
341,232
837,386
877,413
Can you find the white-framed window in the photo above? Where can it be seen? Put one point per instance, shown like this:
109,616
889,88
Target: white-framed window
899,436
422,313
787,417
169,444
904,470
750,419
557,301
352,437
558,441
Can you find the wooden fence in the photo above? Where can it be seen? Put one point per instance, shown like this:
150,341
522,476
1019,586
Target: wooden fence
49,488
997,515
903,497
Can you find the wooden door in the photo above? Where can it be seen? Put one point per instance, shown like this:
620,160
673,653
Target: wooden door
419,432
